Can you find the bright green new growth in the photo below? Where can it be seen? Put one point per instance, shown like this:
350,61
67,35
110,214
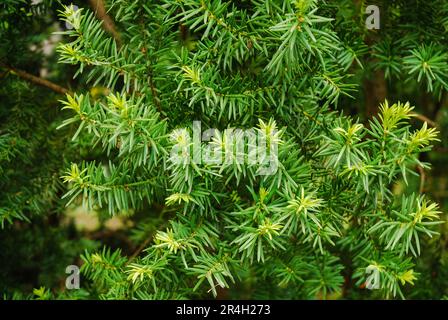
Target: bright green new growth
272,64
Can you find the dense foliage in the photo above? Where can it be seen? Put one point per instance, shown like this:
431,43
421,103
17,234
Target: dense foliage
344,213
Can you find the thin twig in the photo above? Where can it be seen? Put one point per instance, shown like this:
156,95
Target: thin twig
154,94
108,24
422,179
36,80
139,249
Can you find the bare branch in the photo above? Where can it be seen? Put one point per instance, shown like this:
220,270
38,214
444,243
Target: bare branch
424,119
108,24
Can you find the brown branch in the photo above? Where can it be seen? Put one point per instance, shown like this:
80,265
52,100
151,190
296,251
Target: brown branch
440,150
424,119
422,179
375,92
139,249
154,95
36,80
108,24
148,239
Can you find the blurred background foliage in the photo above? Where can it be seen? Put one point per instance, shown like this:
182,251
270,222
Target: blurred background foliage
405,60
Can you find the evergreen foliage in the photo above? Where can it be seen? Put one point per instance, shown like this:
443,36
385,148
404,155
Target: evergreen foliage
337,210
